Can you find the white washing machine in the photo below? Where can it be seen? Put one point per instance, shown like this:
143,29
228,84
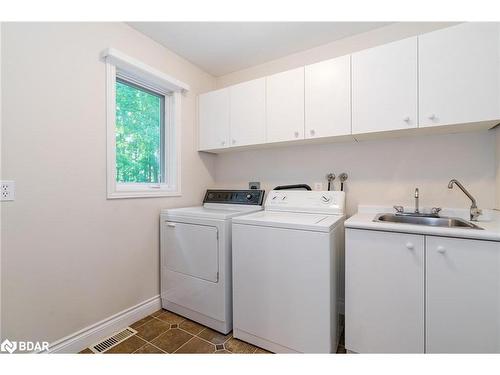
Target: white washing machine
196,256
286,272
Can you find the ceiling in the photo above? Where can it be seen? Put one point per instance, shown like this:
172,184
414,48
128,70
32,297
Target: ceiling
220,48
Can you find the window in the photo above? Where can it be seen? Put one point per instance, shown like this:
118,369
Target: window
139,129
143,118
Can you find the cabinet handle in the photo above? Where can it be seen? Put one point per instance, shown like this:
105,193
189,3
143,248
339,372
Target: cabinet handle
312,132
171,225
432,117
441,250
223,143
296,134
406,119
410,246
234,141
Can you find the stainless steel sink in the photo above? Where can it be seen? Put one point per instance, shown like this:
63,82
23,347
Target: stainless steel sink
446,222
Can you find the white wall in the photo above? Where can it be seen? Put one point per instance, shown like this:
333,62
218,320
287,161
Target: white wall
69,256
497,190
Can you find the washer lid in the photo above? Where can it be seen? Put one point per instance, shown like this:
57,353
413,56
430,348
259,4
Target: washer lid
291,220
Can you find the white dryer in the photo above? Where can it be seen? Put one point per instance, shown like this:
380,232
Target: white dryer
196,256
286,272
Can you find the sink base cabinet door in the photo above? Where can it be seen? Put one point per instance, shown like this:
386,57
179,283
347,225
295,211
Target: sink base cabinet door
462,296
384,311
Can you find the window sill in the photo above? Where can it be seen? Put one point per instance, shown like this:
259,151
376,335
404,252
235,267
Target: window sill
143,194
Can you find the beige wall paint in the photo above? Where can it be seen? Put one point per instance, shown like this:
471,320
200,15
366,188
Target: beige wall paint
69,256
337,48
380,171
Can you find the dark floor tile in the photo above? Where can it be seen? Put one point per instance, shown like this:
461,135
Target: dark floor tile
192,327
139,323
224,351
238,346
170,317
196,345
213,336
172,340
152,329
156,313
86,351
149,349
130,345
219,347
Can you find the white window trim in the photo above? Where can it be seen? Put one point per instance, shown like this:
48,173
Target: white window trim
150,76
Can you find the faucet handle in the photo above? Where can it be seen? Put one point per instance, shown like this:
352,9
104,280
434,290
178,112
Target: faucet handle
436,210
399,209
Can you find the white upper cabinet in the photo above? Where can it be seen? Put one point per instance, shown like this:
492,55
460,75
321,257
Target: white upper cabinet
328,98
248,113
459,74
213,118
384,87
285,106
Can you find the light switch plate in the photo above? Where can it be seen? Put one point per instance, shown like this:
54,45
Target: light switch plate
7,190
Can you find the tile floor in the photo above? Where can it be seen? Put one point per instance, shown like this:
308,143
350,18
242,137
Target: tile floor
165,332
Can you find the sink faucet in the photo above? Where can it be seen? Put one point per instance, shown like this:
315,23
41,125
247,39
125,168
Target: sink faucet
416,201
474,211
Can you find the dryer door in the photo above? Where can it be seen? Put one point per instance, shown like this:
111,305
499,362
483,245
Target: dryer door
192,249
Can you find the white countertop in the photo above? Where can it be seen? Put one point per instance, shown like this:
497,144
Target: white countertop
489,221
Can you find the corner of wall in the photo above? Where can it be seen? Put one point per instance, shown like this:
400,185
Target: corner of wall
497,167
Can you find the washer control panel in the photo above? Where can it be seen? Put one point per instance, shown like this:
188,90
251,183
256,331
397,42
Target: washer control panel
306,201
249,197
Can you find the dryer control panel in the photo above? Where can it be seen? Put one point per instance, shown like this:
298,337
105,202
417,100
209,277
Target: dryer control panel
248,197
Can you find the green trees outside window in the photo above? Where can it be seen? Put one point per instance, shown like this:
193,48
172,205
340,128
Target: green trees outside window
140,117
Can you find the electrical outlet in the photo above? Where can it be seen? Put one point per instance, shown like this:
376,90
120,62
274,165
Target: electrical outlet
7,190
254,185
318,186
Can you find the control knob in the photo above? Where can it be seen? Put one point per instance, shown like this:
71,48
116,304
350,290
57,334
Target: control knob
325,198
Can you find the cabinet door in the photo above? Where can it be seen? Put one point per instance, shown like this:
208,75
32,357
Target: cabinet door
384,296
328,98
462,296
285,106
248,112
213,118
459,74
384,87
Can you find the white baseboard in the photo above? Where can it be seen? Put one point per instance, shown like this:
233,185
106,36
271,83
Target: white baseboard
82,339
